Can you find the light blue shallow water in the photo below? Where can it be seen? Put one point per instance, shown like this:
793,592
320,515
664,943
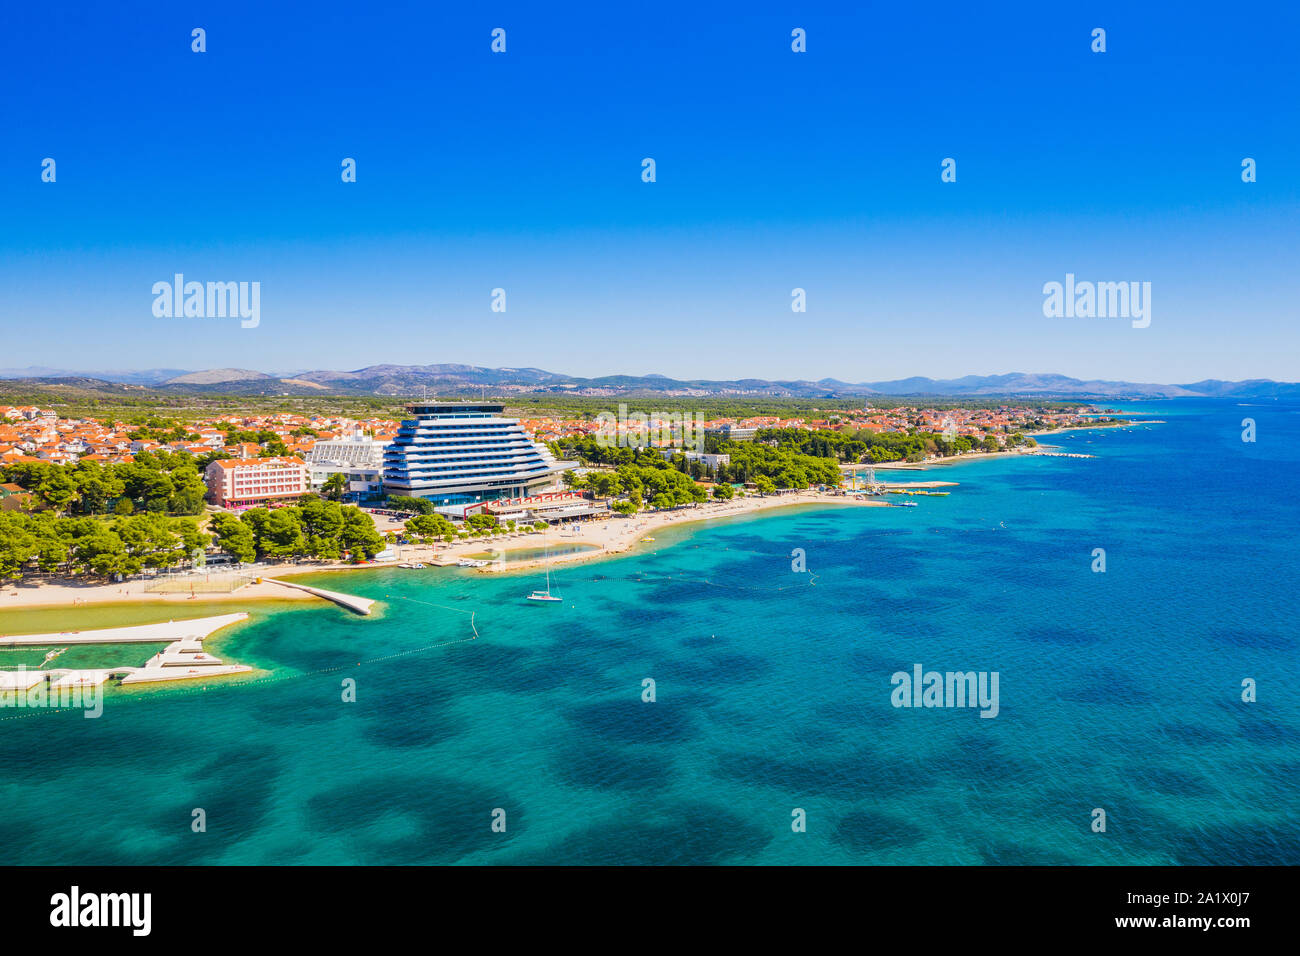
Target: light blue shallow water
1119,690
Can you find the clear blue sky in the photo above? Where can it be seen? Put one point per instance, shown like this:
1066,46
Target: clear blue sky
775,170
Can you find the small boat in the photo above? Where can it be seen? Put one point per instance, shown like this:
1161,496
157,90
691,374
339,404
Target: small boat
906,504
647,539
417,566
545,596
470,563
404,566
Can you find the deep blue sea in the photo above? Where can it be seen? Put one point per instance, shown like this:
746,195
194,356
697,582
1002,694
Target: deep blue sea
1119,690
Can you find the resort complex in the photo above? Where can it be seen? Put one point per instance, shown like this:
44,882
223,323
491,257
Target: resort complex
454,454
124,504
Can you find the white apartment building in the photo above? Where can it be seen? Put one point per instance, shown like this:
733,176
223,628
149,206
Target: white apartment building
359,458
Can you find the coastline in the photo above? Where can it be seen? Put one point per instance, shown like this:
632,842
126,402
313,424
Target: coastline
75,596
597,539
992,456
603,539
942,462
625,537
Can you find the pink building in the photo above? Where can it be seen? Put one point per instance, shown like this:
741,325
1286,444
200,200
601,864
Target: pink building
245,482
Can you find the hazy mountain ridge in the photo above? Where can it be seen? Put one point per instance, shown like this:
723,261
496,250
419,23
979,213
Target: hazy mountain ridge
149,376
453,379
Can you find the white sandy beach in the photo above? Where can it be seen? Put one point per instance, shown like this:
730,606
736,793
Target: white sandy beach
599,539
614,535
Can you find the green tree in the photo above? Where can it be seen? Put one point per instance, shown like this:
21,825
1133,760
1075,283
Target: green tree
358,534
234,537
429,527
57,490
281,535
336,485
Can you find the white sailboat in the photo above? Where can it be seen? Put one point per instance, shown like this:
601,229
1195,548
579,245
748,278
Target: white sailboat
545,595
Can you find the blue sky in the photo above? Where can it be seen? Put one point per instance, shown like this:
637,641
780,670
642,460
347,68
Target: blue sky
775,170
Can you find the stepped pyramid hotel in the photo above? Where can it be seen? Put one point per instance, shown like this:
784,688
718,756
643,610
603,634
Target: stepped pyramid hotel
458,454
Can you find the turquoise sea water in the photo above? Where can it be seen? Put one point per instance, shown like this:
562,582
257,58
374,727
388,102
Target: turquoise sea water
1119,690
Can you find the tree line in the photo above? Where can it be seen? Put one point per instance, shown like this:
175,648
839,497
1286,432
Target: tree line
46,543
313,528
158,482
869,447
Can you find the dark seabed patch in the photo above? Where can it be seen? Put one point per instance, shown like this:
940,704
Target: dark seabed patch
447,818
1063,636
311,701
1197,735
715,670
1270,733
236,790
864,831
1106,685
978,758
593,767
1254,639
671,718
1169,781
406,717
859,774
1275,843
1006,853
696,834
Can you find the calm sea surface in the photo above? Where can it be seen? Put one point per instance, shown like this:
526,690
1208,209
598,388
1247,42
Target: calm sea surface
1118,690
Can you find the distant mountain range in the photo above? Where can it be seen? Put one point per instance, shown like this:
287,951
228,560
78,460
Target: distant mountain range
414,380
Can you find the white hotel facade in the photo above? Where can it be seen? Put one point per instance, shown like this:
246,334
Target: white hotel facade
458,454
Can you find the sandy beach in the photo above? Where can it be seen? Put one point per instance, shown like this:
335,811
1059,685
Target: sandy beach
75,594
614,535
603,538
990,456
617,535
598,539
943,462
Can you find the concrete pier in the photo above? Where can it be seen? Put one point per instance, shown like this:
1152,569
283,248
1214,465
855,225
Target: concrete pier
352,603
20,680
86,678
195,629
182,659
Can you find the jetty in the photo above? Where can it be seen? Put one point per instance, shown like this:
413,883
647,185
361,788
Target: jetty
195,629
351,602
184,659
909,485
